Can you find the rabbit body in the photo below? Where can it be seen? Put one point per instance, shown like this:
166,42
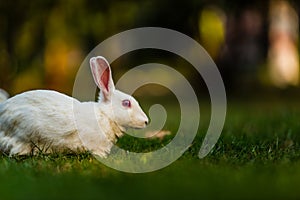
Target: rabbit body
48,121
27,126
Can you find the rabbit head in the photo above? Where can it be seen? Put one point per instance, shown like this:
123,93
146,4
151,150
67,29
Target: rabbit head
118,106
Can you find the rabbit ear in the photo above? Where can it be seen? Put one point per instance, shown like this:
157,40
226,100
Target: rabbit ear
102,76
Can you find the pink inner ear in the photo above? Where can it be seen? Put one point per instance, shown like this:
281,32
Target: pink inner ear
105,78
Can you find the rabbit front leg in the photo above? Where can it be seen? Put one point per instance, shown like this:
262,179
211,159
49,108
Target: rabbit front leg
95,142
93,128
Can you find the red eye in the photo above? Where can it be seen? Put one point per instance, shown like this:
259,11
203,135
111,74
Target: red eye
126,103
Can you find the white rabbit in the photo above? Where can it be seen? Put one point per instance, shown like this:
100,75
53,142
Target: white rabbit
48,121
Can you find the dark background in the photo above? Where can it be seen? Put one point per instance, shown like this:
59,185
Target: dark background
43,43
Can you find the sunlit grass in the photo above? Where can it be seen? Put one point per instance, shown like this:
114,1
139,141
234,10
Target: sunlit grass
257,157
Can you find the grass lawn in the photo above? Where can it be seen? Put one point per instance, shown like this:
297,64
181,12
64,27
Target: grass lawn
257,157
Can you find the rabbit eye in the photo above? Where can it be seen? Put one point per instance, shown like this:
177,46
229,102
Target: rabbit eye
126,103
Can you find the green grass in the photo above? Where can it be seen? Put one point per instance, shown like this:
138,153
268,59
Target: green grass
257,157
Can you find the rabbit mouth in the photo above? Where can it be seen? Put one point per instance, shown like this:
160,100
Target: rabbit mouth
140,126
136,127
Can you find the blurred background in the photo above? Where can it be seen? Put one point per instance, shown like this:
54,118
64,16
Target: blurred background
255,44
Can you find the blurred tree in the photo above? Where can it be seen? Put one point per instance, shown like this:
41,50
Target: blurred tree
283,57
42,43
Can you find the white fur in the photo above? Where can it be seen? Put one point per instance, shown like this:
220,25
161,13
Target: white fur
3,95
48,121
